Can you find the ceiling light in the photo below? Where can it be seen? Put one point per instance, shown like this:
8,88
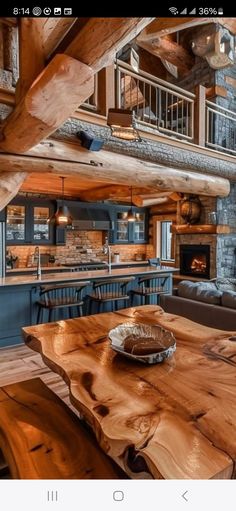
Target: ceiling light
122,124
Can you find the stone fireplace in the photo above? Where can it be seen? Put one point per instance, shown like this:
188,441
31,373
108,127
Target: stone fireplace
222,246
195,260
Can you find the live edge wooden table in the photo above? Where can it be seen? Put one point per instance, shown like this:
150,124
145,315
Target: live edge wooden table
175,420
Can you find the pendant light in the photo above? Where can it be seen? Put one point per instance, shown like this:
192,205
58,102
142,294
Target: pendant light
62,216
131,216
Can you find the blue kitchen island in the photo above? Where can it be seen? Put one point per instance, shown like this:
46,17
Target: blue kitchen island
19,294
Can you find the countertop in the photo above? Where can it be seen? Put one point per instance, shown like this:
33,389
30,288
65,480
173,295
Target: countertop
81,276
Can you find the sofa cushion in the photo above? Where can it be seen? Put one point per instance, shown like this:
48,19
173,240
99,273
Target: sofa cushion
225,284
229,299
200,291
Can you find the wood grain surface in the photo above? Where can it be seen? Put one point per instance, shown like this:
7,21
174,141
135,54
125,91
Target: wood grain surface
175,420
38,435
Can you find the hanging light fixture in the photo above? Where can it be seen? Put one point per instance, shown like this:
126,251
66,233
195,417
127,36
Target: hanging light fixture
122,124
130,215
62,216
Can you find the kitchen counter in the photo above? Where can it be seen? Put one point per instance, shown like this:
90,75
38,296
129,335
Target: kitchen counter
85,275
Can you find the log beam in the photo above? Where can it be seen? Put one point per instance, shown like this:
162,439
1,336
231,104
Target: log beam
53,97
97,43
110,192
66,83
54,30
10,183
167,49
110,168
164,26
31,54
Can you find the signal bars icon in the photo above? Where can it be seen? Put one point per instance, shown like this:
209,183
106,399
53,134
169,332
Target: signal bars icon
185,11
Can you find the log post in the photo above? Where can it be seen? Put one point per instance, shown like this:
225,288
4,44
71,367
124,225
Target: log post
31,54
200,116
106,89
10,183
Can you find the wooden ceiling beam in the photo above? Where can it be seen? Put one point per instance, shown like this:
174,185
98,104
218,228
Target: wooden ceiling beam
167,49
163,26
31,54
111,168
66,82
110,192
53,97
97,43
7,97
10,183
54,30
152,202
12,22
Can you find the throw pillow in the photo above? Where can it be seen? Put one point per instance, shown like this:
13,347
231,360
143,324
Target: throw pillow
226,284
200,291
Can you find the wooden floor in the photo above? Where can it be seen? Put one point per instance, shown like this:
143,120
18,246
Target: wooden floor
21,363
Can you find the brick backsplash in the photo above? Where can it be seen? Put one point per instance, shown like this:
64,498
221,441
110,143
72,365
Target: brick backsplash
81,246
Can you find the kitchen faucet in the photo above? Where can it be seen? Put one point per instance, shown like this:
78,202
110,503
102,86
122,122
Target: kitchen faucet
37,259
107,251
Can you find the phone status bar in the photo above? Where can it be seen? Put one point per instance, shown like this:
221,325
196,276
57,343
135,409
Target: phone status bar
59,10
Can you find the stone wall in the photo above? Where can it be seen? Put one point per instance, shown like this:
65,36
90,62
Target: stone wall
226,243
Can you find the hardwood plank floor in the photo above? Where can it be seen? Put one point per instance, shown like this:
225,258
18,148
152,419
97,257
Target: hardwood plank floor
20,363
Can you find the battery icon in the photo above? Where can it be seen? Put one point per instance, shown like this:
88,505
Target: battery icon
220,11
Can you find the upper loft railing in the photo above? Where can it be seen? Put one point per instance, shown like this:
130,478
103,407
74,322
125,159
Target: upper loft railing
165,108
220,128
155,102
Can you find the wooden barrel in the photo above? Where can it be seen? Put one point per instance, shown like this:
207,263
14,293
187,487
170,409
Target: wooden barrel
190,209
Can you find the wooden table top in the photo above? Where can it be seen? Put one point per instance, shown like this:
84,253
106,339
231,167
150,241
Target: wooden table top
174,420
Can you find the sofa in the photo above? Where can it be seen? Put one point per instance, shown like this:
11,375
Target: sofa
210,303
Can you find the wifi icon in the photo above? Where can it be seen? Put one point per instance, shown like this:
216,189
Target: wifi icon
173,10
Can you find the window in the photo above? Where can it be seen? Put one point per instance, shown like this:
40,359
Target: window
166,241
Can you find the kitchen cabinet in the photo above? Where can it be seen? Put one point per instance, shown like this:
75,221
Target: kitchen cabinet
126,232
27,222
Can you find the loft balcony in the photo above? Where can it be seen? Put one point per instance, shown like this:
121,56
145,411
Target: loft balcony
163,108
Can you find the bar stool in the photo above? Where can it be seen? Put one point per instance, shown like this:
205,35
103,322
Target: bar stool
62,296
151,285
109,291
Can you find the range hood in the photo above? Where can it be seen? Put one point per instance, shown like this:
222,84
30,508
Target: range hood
90,219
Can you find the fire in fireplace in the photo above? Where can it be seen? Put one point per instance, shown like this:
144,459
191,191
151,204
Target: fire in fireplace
195,260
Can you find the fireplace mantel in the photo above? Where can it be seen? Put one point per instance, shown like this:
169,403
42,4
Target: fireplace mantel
200,229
